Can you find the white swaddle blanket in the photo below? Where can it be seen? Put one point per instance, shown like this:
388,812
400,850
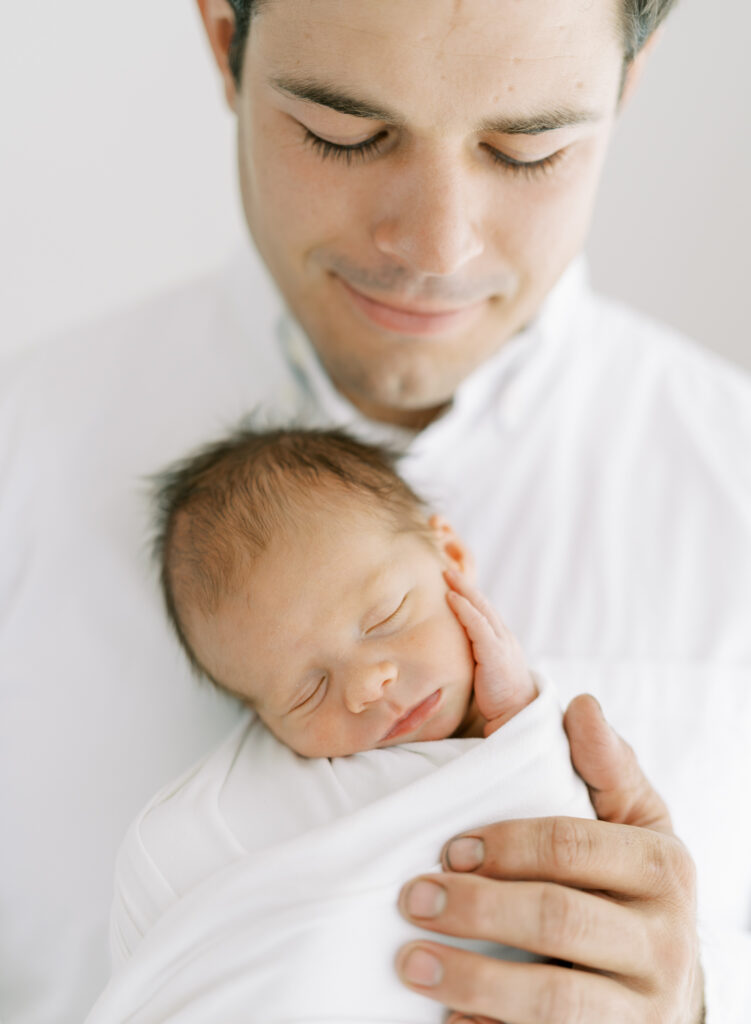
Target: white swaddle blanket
306,929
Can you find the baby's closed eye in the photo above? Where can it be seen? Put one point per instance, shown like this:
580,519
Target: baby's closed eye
309,694
388,618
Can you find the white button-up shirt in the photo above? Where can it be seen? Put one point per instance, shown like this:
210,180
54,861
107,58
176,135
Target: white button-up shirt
599,467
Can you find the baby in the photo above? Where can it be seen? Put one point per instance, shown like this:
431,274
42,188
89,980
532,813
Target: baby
303,575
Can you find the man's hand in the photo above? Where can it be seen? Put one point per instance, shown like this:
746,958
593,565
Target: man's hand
503,684
614,898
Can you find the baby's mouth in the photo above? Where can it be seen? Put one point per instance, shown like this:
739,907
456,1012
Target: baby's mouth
413,718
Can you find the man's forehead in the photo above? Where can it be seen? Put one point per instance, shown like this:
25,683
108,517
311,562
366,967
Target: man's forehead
474,54
470,29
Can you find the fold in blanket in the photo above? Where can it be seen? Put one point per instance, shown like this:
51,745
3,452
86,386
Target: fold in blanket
307,930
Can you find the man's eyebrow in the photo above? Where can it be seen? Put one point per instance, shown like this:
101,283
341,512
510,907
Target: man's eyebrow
336,99
328,96
538,124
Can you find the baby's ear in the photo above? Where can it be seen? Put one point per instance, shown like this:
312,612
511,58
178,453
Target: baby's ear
455,552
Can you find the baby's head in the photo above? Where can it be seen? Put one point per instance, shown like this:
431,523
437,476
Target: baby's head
304,576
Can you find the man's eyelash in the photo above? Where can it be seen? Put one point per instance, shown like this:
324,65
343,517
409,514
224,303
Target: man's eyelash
334,151
370,147
529,168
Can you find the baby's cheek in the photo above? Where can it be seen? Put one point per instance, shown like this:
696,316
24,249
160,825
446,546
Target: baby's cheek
455,638
329,732
443,649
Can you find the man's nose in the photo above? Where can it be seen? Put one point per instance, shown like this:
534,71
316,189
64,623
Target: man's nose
428,224
366,684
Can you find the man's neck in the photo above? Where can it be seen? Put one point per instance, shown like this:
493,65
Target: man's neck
408,419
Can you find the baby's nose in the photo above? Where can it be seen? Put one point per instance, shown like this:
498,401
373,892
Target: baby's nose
367,684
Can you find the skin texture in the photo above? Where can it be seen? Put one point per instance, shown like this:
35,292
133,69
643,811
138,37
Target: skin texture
438,218
616,895
342,626
432,222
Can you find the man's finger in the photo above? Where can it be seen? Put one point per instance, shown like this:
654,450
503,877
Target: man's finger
619,790
594,855
547,920
524,993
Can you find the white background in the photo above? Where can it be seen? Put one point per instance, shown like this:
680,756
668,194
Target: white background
117,168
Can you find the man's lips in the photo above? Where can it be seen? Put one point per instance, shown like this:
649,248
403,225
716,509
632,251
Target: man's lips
414,718
415,319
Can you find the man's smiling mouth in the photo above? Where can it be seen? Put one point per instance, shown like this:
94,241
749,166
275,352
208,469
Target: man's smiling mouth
415,319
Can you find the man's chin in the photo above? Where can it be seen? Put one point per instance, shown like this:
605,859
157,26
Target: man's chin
414,395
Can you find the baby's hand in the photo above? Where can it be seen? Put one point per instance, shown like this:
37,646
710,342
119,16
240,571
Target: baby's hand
503,683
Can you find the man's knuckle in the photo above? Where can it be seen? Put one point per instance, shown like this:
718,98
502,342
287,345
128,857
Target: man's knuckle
568,844
472,975
670,869
477,909
558,921
558,999
684,868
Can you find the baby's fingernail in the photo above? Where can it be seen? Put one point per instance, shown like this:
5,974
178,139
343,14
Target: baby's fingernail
465,854
422,968
425,899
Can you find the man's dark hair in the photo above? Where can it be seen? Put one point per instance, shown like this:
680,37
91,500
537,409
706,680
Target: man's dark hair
639,19
220,507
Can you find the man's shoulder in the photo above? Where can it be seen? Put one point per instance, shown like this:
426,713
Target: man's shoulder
190,352
639,362
621,336
123,333
195,319
682,411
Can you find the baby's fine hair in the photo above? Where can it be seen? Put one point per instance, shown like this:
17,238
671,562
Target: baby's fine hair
221,506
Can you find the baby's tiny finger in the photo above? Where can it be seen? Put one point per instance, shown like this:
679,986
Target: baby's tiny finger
461,585
478,628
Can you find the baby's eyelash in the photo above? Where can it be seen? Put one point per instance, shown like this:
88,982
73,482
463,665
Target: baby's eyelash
336,151
311,695
392,616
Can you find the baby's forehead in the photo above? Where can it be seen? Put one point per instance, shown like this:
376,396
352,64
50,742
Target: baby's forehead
330,506
353,538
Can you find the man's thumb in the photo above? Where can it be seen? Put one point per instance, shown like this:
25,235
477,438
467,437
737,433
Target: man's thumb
619,790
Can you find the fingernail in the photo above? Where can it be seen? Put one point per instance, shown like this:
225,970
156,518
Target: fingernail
599,706
422,968
465,854
425,899
602,715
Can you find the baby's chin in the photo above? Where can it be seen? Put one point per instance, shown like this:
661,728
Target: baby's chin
472,723
456,719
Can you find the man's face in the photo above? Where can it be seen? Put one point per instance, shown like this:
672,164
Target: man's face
341,636
418,175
